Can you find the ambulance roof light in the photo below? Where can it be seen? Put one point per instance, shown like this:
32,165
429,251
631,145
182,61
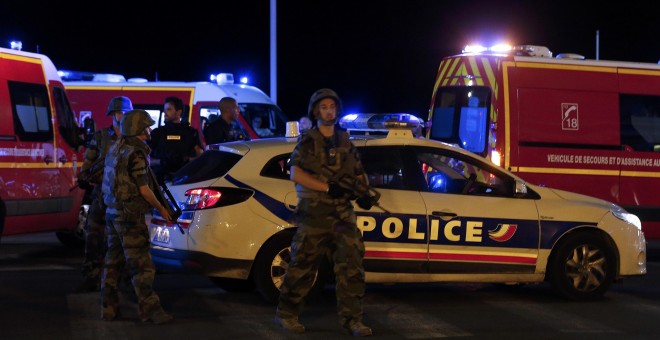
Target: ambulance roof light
521,50
223,78
379,122
108,77
90,76
16,45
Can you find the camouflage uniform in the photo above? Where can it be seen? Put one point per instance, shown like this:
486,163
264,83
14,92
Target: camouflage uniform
95,245
325,225
126,166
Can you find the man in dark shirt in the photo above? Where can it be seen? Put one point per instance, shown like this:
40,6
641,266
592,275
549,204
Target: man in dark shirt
174,143
220,130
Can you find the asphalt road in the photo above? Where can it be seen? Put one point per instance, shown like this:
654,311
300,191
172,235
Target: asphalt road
37,276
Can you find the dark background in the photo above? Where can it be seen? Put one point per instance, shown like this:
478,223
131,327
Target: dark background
380,56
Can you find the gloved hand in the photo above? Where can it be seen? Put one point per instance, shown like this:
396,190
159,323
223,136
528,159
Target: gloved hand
84,185
334,190
365,202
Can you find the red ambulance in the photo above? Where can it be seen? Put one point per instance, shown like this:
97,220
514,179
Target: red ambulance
40,150
588,126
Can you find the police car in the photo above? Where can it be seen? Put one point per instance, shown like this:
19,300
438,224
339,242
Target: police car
445,215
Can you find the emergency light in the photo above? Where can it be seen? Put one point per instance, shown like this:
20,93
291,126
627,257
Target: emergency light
379,122
223,78
522,50
16,45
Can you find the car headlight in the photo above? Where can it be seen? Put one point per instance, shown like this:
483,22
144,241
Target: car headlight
628,217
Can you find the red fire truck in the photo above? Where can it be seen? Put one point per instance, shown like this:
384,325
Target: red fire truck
588,126
39,150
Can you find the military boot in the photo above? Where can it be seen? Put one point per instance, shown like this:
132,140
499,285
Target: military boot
356,328
291,324
109,312
158,317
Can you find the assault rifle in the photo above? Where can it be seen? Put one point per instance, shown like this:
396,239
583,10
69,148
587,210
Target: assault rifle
165,198
87,176
346,181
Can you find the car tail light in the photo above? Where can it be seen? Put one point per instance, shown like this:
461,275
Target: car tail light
213,197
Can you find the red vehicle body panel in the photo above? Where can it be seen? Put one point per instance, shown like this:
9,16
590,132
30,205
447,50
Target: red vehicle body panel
38,165
558,123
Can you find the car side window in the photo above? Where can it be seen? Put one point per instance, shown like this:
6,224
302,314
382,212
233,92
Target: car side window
457,174
384,167
277,167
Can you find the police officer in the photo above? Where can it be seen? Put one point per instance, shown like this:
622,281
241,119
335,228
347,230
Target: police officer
326,220
128,196
95,245
220,130
174,143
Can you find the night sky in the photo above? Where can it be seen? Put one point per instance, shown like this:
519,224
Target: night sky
380,56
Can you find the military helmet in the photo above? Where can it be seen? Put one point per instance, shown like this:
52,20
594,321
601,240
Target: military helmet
322,94
134,122
120,103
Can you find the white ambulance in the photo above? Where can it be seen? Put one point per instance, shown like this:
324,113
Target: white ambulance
90,94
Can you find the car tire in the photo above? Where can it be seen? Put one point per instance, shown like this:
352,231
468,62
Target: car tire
583,267
75,238
271,264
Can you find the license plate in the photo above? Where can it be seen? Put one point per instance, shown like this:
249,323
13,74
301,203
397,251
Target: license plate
161,235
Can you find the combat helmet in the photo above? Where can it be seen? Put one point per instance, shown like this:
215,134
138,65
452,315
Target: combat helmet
134,122
120,103
322,94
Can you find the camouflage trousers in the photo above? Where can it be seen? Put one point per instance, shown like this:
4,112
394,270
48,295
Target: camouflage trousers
128,245
95,245
317,236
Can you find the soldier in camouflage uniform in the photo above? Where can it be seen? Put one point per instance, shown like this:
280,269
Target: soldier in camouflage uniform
326,220
128,197
95,245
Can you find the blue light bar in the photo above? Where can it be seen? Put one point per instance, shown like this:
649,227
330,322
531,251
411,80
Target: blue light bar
379,122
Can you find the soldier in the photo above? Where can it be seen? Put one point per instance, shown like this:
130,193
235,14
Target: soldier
127,195
95,245
220,130
326,220
175,143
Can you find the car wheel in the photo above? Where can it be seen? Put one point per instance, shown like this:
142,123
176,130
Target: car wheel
271,265
76,237
583,267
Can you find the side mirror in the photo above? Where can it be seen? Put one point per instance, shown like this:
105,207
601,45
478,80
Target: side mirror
520,188
88,130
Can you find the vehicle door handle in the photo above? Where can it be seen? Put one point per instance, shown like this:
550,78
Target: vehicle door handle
63,159
48,159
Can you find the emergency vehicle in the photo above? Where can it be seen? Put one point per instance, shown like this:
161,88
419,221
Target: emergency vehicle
90,94
444,215
39,149
588,126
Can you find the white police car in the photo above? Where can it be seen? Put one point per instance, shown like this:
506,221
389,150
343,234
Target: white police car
451,216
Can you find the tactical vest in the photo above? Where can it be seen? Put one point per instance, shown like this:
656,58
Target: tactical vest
333,153
118,186
99,147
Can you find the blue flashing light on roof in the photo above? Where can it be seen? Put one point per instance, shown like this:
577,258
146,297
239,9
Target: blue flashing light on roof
223,78
520,50
244,80
379,122
16,45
